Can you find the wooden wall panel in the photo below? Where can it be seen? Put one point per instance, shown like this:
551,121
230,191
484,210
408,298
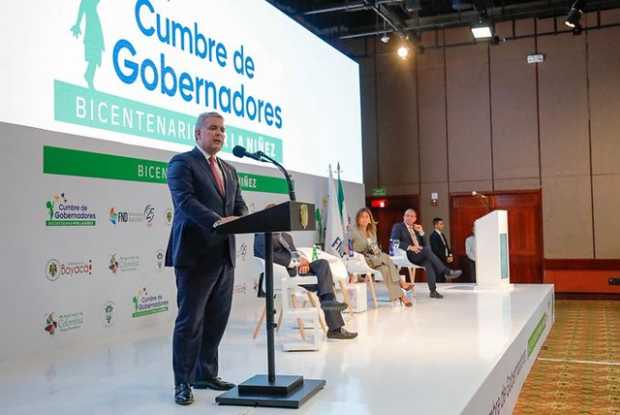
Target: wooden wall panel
563,106
515,116
468,113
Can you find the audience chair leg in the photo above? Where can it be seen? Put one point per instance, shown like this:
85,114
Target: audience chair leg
345,294
300,322
371,286
259,323
312,299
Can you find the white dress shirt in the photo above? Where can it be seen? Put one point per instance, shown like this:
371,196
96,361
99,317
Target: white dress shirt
470,247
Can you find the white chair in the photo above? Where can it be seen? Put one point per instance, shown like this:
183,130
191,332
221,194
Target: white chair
287,290
401,261
337,267
357,265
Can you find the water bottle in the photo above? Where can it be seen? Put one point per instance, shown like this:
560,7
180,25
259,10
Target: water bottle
395,245
350,246
391,248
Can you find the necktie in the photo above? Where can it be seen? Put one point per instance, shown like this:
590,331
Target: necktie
218,179
283,242
413,236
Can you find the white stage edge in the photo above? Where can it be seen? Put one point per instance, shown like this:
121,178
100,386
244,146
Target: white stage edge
466,354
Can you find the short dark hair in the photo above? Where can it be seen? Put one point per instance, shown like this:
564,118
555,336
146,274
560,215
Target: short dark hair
436,221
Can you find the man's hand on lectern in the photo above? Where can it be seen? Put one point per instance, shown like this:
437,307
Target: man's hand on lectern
224,220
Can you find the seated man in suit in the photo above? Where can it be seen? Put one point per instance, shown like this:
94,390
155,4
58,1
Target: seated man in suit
285,253
439,246
410,237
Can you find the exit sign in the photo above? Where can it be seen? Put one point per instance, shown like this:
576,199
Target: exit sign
379,191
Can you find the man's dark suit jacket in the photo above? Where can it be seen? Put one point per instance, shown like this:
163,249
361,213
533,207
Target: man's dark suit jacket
198,204
438,247
400,232
281,255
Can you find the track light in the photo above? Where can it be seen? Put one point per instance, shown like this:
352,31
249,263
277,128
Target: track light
574,15
385,38
482,30
403,51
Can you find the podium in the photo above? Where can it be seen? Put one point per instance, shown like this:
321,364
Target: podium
492,256
271,390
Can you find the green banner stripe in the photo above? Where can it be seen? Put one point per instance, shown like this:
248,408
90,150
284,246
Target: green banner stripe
535,336
149,312
82,106
70,162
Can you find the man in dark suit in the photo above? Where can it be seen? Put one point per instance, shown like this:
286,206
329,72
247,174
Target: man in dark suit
205,192
285,254
411,239
439,245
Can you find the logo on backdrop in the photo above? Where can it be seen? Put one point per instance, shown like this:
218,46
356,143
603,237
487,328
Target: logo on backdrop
121,216
149,214
156,70
242,251
108,310
160,257
63,322
118,216
55,269
119,263
63,212
145,304
168,216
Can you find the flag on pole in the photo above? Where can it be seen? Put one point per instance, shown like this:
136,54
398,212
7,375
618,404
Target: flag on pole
334,231
342,205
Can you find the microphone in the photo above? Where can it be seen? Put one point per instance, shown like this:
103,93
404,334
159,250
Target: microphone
240,151
478,194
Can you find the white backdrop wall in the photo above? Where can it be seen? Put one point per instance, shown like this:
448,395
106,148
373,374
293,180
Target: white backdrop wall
90,283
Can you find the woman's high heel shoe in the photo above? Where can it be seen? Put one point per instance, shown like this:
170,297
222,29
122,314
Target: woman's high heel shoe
405,301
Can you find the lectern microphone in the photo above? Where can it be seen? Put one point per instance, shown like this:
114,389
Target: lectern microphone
478,194
241,152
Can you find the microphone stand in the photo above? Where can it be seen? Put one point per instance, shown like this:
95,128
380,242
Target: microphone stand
291,186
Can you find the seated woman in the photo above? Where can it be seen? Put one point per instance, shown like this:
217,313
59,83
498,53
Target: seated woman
365,242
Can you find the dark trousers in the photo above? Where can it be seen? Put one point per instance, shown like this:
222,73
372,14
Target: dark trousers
432,265
471,268
325,291
204,298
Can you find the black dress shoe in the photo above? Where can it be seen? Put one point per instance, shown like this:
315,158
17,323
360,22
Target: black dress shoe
333,305
183,394
453,274
341,334
215,383
435,294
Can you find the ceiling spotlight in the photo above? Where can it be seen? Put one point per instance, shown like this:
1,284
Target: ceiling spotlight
385,38
482,30
574,14
403,52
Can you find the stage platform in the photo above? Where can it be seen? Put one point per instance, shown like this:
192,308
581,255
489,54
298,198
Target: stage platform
466,354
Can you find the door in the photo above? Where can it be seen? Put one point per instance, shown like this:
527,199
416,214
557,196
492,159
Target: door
524,229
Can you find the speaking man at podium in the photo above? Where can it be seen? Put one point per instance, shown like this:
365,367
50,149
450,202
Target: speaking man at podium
205,192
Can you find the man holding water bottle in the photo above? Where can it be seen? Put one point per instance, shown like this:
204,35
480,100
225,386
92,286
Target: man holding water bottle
286,254
410,236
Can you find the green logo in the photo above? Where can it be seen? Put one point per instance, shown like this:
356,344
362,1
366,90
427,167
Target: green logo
62,212
145,304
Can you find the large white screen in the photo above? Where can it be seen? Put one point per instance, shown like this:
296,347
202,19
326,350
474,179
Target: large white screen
300,100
